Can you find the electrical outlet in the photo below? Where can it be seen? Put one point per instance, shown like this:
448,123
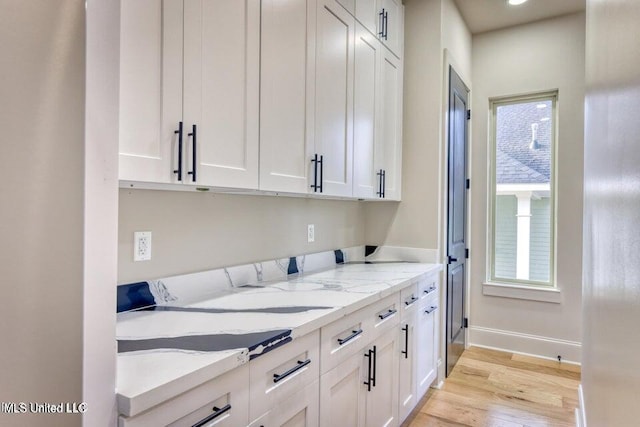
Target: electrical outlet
311,233
142,246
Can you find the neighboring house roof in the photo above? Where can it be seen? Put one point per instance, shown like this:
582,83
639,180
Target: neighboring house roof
511,171
516,162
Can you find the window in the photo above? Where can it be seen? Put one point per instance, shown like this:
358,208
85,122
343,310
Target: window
522,190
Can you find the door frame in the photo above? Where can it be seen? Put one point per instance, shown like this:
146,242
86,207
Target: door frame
443,201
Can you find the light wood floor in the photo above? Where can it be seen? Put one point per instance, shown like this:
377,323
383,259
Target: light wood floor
490,388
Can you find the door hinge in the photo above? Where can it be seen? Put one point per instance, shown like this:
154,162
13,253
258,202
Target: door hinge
466,253
468,184
468,114
465,324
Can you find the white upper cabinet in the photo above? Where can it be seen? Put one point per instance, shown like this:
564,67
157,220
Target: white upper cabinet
366,113
392,20
150,89
221,91
389,144
286,99
384,19
190,65
334,98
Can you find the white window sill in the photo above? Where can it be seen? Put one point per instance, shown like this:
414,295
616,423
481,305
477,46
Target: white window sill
532,293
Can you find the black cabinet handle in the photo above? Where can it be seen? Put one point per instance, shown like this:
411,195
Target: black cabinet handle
451,259
369,357
375,358
384,183
300,365
317,162
193,136
380,191
216,413
411,301
431,289
315,173
179,170
354,334
381,15
389,313
321,173
385,25
406,342
431,309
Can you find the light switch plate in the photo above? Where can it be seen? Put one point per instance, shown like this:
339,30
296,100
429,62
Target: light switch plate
142,246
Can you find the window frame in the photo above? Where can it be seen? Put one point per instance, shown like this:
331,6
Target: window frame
494,103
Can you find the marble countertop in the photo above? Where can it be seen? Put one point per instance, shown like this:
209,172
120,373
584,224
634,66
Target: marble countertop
164,351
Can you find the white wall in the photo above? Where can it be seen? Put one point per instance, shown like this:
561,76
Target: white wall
541,56
201,231
42,116
100,211
611,290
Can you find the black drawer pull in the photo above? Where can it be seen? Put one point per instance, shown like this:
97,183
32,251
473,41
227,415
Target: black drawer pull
431,289
375,358
387,314
216,413
354,334
411,301
431,309
300,365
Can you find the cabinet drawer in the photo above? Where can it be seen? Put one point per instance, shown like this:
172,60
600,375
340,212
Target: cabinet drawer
343,338
409,301
428,289
301,409
224,401
384,314
283,372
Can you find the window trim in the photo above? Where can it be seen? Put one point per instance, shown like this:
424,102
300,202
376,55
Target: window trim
494,103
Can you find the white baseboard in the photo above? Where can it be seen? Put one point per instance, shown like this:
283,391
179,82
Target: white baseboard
581,419
398,253
533,345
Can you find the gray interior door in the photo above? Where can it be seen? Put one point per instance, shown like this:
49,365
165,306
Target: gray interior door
457,218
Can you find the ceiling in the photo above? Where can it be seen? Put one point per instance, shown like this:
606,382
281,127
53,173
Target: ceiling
487,15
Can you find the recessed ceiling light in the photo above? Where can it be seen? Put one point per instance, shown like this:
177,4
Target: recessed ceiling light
541,106
516,2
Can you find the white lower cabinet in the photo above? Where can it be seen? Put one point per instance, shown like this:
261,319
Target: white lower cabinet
362,391
426,346
299,410
407,338
382,400
342,393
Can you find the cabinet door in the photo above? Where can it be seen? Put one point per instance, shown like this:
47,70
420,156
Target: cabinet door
342,393
426,348
407,378
393,36
150,89
382,401
299,410
389,145
334,96
287,94
221,91
366,92
368,13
